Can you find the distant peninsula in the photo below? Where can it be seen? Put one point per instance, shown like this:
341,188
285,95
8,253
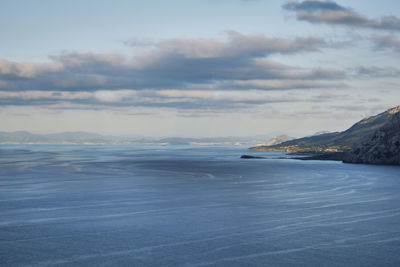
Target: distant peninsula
373,140
85,138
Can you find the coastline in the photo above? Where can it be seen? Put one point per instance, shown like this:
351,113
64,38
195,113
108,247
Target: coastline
336,156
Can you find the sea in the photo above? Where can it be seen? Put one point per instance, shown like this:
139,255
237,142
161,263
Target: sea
73,205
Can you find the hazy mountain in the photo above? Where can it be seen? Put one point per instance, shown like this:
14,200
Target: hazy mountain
20,137
78,136
23,137
73,137
278,139
337,141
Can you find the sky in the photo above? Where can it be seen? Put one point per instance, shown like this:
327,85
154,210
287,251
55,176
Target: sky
196,68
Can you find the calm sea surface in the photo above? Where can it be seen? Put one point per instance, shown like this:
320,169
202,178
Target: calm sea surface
193,206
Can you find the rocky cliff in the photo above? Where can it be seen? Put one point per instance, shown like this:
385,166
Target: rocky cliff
384,145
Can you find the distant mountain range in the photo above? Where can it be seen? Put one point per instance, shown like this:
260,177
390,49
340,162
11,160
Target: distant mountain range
375,139
24,137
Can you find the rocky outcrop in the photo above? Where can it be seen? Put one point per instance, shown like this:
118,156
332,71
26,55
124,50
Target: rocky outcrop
383,147
251,157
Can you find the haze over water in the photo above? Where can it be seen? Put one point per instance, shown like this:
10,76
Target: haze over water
193,206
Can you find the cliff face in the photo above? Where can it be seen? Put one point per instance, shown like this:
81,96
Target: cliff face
383,147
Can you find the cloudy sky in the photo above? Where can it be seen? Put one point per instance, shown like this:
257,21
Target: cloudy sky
196,68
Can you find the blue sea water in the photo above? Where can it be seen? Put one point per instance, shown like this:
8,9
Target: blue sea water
193,206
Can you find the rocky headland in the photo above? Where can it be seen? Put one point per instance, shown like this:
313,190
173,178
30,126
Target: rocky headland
373,140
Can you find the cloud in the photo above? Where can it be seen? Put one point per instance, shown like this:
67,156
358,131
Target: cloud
375,71
235,73
282,84
22,70
118,100
237,46
181,93
330,12
113,96
326,97
40,98
366,110
25,70
34,95
314,6
172,64
383,42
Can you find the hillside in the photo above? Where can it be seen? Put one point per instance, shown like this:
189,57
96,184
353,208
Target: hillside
337,141
383,147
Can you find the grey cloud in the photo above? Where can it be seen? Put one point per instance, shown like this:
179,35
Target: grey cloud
326,97
169,64
386,42
374,71
283,84
236,46
125,99
329,12
313,6
35,98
